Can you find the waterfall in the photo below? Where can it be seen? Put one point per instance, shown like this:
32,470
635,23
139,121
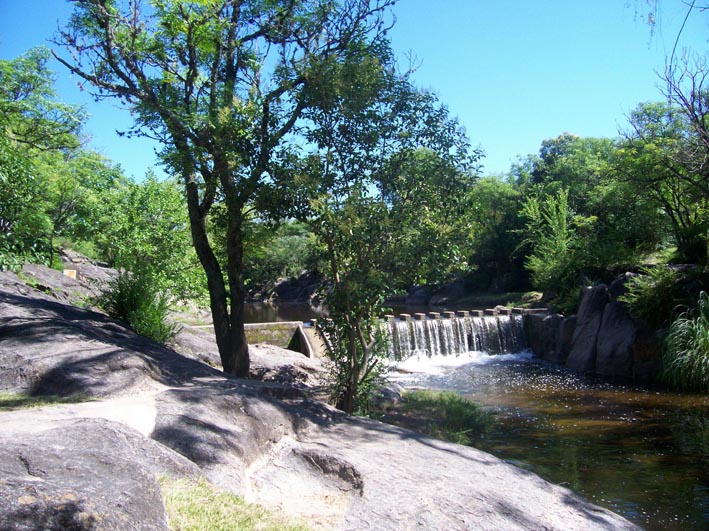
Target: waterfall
493,334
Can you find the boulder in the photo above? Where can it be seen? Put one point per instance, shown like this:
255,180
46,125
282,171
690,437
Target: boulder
646,351
222,428
418,296
582,357
264,440
85,475
301,290
566,336
535,331
51,348
546,335
614,347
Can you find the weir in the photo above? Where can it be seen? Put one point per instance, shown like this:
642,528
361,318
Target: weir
435,335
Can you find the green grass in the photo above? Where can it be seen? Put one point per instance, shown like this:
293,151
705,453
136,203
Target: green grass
13,401
444,415
195,505
685,359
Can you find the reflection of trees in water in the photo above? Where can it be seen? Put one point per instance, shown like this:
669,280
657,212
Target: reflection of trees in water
638,452
269,313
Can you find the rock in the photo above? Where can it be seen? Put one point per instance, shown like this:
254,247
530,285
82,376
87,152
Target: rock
91,272
263,440
268,362
387,396
418,296
614,355
302,289
566,336
552,338
51,348
582,357
352,473
221,428
535,331
85,474
544,333
646,354
618,287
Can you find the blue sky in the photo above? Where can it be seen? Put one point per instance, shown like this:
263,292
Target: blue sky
515,72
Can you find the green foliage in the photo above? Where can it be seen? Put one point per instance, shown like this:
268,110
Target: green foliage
657,295
358,367
685,359
135,300
494,221
447,415
387,169
556,248
275,253
144,226
196,505
665,156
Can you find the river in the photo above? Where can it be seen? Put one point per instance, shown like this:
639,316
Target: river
637,451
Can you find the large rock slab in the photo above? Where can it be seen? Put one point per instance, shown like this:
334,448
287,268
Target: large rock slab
582,357
222,428
259,439
85,474
614,348
351,473
51,348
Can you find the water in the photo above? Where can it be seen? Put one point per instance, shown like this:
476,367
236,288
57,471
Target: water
639,452
256,312
456,335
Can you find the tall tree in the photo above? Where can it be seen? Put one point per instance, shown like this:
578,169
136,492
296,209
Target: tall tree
387,171
220,84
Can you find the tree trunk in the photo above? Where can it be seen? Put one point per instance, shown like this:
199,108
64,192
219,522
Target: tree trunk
239,355
215,280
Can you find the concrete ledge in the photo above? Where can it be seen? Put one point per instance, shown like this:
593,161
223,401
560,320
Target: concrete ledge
286,334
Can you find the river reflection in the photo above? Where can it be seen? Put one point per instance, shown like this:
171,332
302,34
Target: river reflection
639,452
256,312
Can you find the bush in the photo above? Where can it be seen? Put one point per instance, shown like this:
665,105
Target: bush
132,298
685,359
661,293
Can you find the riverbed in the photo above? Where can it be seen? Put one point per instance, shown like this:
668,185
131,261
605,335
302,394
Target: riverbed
640,452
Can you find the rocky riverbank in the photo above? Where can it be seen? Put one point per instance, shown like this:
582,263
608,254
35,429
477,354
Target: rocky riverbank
157,411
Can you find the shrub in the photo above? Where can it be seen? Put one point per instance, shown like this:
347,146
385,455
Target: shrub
685,360
132,298
661,293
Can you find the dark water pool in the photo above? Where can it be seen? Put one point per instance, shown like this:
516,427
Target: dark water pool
256,312
639,452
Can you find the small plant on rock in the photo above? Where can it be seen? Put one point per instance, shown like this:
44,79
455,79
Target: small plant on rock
132,298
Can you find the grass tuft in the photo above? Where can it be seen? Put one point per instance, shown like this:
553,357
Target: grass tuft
13,401
444,415
685,360
196,505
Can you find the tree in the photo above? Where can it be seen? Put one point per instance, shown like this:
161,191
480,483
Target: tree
220,84
388,167
495,223
666,155
31,122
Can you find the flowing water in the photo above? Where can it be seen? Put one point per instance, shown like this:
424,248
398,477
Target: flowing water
639,452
